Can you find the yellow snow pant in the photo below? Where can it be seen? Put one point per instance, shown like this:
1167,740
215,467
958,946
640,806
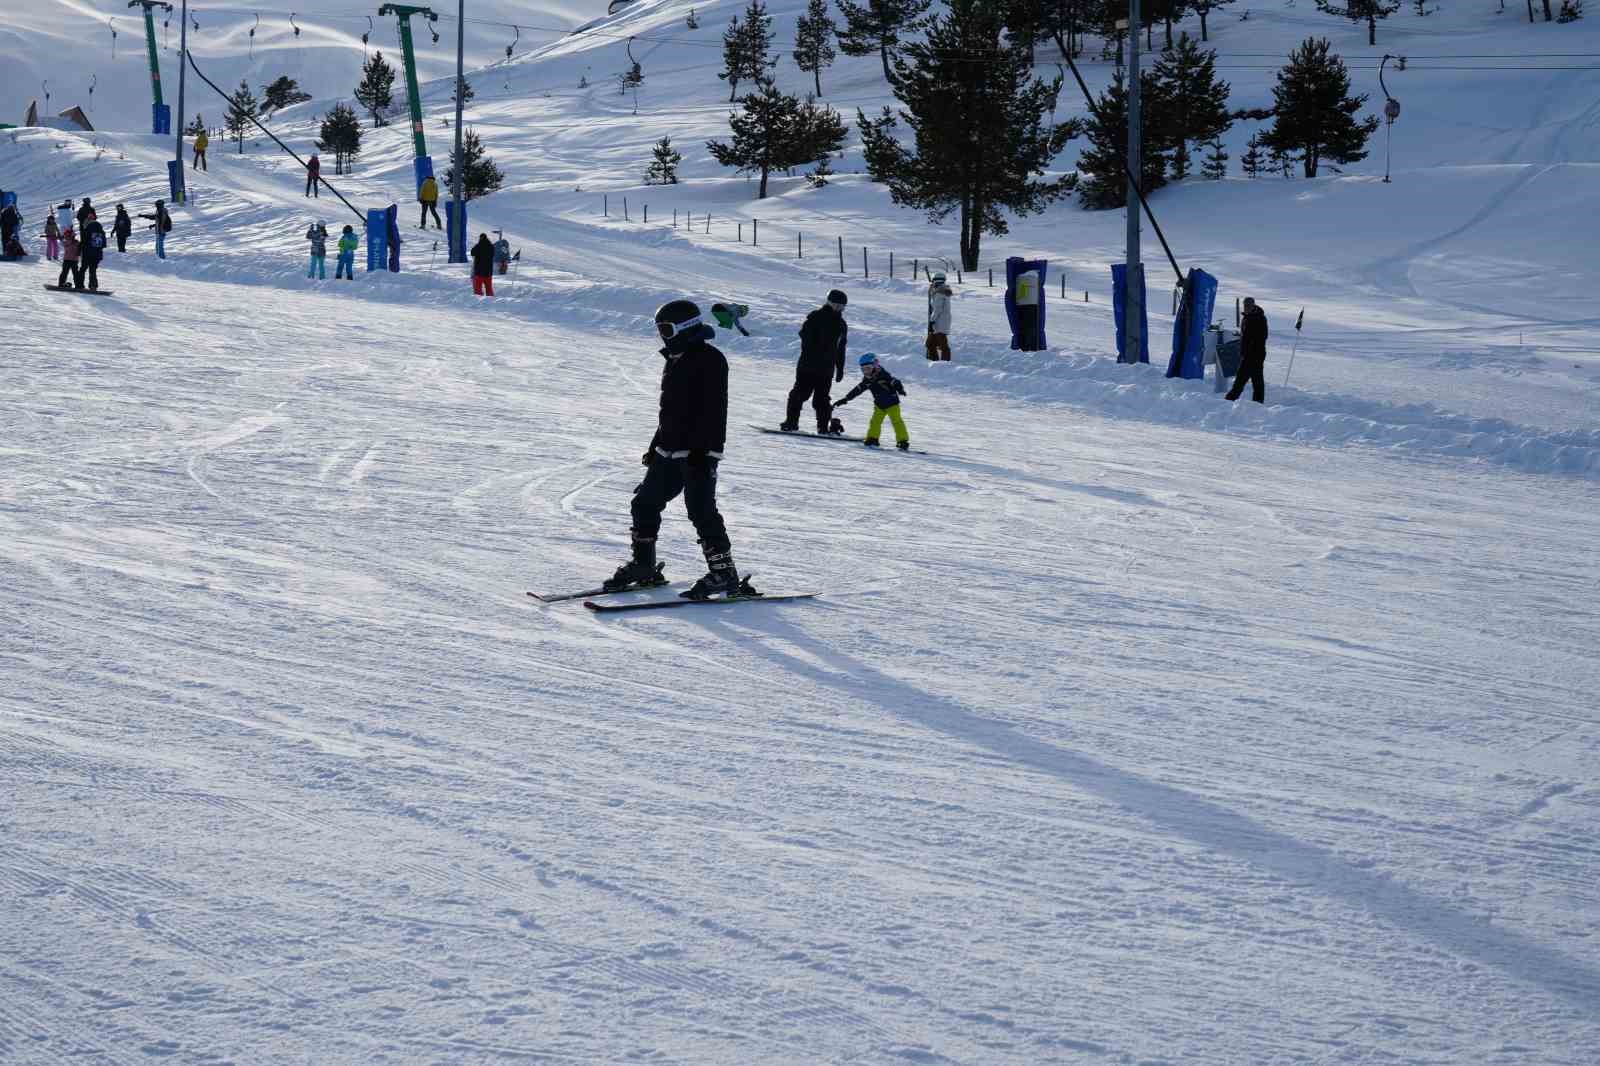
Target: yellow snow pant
875,423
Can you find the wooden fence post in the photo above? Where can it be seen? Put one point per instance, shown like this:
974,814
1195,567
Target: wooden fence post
625,209
799,246
605,204
741,233
891,262
864,261
647,214
916,265
991,277
674,218
708,223
755,232
841,255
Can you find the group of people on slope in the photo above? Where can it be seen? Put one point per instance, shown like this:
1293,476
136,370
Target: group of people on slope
317,234
79,240
823,339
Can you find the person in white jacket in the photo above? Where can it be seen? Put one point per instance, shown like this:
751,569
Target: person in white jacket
939,294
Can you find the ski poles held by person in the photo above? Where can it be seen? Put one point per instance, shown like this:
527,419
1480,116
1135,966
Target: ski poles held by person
886,391
483,266
161,222
348,243
428,197
201,142
728,316
317,234
92,251
52,238
939,294
683,455
122,227
1252,353
822,344
313,177
69,261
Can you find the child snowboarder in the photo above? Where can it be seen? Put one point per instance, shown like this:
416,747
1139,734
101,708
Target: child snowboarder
728,316
348,243
69,261
886,392
52,239
317,234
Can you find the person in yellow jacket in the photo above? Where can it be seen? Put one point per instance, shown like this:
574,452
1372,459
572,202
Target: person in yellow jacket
201,143
429,195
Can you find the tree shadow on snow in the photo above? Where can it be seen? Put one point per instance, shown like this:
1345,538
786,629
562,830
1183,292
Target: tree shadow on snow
1201,821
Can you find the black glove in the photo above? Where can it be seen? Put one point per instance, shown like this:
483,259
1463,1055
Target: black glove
839,403
838,376
701,460
648,457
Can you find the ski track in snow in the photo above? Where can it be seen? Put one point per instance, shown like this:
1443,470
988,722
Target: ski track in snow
1129,726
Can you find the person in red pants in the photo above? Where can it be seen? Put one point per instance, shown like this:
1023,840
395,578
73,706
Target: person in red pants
483,266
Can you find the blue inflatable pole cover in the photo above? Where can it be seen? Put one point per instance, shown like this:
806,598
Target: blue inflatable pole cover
1119,303
377,238
394,238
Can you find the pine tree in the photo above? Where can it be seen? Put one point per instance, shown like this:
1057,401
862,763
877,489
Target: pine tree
283,92
376,91
813,40
1281,159
341,135
1253,162
467,92
195,128
1193,105
1104,161
479,176
663,169
242,107
821,172
747,48
692,22
1368,11
733,62
1065,22
776,131
983,135
1313,113
1571,11
1204,8
879,26
1215,167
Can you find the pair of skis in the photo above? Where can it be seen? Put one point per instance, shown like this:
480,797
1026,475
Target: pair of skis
589,598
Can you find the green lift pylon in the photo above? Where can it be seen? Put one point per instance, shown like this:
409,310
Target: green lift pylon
403,12
160,113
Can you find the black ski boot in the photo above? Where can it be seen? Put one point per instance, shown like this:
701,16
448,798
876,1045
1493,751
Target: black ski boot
870,442
903,445
722,578
642,571
789,427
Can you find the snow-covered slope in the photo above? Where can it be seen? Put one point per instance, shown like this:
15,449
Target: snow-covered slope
1129,725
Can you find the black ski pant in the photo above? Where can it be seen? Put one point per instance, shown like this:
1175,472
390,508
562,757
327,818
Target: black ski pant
91,267
814,386
70,267
199,161
428,205
664,480
312,188
122,241
1254,370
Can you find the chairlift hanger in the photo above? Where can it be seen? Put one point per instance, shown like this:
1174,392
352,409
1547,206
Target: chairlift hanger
112,24
253,36
294,24
93,80
435,33
365,37
518,31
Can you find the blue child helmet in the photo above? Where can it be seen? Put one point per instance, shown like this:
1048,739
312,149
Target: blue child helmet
868,359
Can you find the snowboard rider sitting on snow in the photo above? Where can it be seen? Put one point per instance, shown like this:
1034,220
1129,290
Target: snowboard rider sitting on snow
886,392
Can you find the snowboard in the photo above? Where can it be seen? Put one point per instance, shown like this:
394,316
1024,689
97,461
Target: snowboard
830,436
79,292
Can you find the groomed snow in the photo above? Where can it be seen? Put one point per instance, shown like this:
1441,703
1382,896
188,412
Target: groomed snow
1129,726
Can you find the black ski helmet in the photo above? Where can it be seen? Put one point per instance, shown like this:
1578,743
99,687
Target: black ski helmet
837,296
678,322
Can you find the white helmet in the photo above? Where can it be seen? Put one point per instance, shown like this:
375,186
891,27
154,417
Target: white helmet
938,277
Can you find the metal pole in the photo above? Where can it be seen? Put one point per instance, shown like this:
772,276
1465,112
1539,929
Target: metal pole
1133,307
458,249
183,75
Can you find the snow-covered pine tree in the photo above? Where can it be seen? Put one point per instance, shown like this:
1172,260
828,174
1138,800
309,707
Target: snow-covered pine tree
1192,102
284,91
747,48
763,135
879,26
375,93
242,107
1368,11
692,22
467,92
1313,111
1254,161
341,135
733,61
663,169
1215,167
813,40
983,130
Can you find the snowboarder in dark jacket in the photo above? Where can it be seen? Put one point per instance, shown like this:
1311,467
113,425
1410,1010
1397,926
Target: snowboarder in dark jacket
85,209
1252,353
122,226
822,344
886,391
94,250
683,456
483,266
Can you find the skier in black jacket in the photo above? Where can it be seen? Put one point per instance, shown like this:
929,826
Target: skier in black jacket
683,456
822,344
122,226
1252,353
93,250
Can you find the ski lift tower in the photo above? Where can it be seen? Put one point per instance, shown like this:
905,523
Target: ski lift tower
423,164
160,113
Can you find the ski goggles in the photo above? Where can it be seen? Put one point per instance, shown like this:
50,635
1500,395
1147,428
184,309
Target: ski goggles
669,330
837,306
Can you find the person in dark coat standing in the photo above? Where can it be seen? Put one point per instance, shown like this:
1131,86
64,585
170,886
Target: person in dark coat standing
94,250
822,344
483,266
85,209
122,226
1252,353
683,456
313,176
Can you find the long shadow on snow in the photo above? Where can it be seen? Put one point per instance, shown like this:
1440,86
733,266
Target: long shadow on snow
1199,820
